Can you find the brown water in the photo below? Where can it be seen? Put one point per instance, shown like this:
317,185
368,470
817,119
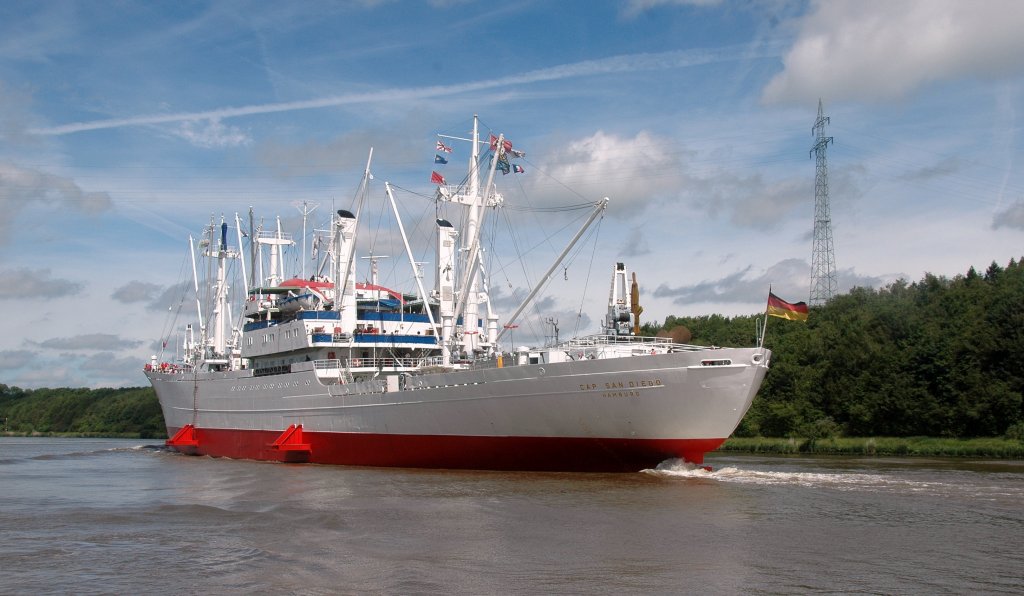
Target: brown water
91,516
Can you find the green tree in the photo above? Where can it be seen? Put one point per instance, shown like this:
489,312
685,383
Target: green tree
939,357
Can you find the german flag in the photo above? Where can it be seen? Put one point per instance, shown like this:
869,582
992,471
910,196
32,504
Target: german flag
777,307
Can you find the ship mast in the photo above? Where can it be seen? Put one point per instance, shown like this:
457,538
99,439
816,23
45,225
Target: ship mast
344,246
469,288
214,338
463,299
276,240
220,302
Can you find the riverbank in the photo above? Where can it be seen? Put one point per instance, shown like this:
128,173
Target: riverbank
998,447
68,435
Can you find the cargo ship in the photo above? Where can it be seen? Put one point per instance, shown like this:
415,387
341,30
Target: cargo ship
324,369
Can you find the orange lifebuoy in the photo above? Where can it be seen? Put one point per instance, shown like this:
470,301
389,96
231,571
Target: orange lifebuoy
356,362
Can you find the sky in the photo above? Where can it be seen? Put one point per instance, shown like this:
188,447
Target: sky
127,126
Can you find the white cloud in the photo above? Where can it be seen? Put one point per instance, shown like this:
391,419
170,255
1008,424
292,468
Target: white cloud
636,244
15,359
943,167
871,50
631,171
136,291
211,134
1011,217
89,341
750,201
635,7
46,374
172,297
21,188
789,278
102,369
109,363
19,283
645,171
740,286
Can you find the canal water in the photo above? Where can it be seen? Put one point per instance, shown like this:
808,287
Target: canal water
128,516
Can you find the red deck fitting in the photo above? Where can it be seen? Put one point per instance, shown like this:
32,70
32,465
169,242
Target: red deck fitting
291,440
185,437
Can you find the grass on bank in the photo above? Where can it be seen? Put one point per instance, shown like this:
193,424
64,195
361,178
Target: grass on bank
999,447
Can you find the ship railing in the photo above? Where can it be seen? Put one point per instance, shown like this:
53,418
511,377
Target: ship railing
577,348
591,341
333,365
327,365
432,361
388,363
169,368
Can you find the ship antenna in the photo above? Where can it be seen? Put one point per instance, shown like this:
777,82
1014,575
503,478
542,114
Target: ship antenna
305,208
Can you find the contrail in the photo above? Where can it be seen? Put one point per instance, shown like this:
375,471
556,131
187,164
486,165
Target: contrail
610,65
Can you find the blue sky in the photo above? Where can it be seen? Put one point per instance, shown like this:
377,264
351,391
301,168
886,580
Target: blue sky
125,126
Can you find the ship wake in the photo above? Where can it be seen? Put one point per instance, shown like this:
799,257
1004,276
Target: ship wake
888,481
677,468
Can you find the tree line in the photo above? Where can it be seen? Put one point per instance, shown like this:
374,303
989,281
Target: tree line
939,357
132,411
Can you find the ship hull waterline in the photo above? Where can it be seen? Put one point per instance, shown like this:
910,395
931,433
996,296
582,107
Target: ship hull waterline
616,415
540,454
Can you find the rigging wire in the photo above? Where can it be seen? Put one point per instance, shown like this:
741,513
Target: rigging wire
535,307
171,319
